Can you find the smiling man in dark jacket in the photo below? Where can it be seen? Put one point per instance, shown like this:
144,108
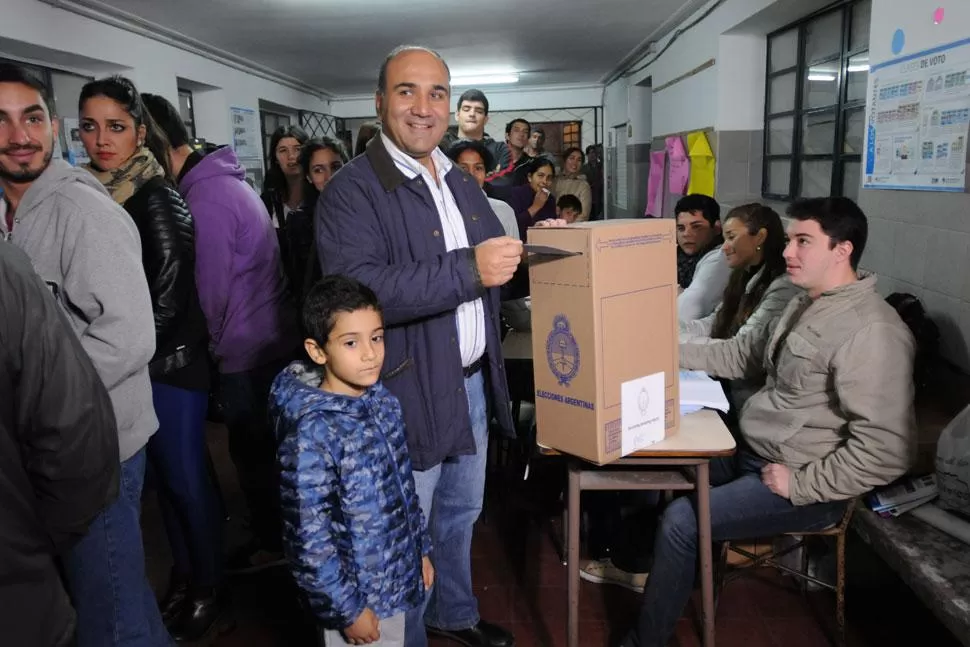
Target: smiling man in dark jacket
58,454
408,223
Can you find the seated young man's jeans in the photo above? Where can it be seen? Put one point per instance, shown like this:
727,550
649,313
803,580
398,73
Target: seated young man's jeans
742,507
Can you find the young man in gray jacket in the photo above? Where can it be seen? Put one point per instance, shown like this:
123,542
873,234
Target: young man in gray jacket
834,420
86,249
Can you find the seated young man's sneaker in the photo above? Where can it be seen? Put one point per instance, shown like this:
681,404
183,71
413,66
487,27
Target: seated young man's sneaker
604,572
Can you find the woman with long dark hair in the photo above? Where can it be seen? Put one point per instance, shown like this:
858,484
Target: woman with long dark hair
572,181
758,289
130,156
319,160
534,201
285,188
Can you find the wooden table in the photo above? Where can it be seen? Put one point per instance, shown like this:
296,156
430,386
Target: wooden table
701,437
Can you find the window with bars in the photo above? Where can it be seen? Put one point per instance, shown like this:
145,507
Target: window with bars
572,135
818,73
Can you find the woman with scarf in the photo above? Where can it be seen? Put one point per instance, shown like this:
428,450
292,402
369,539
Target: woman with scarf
130,156
572,181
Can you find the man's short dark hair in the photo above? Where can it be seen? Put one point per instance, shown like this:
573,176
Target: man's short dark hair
10,73
707,205
463,145
569,201
840,219
330,296
168,119
511,124
397,51
473,95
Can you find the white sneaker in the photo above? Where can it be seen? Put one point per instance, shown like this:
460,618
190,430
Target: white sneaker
604,572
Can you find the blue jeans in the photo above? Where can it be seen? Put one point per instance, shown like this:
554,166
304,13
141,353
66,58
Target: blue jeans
190,509
105,573
742,507
451,499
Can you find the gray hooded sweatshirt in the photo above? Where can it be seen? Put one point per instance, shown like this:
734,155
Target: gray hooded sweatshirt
86,248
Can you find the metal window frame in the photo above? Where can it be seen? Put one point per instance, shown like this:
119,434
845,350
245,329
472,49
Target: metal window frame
842,107
187,92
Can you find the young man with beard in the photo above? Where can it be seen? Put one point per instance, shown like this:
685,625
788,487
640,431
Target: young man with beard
472,116
87,250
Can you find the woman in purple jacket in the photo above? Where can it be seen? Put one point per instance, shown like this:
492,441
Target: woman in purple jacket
534,201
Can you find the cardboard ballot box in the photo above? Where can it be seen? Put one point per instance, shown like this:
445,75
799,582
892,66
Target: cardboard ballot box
605,335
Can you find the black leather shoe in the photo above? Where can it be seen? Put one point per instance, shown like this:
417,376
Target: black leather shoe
205,611
174,599
483,634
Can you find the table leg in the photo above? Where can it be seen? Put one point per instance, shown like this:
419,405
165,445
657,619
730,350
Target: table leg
572,558
704,544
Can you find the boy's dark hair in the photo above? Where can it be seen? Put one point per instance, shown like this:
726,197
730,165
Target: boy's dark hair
707,205
332,295
509,126
463,145
473,95
10,73
168,119
569,201
841,220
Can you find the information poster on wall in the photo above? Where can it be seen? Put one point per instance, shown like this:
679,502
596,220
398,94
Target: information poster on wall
245,132
72,133
918,117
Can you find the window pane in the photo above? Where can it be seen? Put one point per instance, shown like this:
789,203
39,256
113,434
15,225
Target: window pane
823,37
858,76
784,50
818,133
855,131
851,179
861,16
821,85
782,93
816,179
779,177
780,131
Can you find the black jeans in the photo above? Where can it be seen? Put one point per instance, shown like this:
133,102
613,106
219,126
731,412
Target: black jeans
252,446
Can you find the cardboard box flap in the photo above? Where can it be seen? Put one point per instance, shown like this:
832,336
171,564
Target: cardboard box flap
573,268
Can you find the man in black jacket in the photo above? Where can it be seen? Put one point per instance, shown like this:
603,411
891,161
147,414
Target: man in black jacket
59,460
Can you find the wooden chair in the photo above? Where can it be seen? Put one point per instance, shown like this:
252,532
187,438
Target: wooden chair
727,573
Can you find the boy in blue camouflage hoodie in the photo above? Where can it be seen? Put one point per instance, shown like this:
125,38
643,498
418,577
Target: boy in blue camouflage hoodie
353,531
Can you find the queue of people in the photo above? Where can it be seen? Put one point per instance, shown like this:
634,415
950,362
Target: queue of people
354,317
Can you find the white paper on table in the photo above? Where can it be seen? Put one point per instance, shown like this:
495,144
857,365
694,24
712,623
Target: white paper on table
699,390
642,411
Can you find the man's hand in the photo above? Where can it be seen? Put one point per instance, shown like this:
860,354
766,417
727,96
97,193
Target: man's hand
427,572
497,260
776,478
552,222
365,629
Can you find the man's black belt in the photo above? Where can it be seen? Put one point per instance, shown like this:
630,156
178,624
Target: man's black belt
475,367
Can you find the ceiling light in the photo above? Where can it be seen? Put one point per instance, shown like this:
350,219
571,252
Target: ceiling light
484,79
859,68
821,77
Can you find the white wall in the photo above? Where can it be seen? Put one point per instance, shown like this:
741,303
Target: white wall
30,29
499,100
919,241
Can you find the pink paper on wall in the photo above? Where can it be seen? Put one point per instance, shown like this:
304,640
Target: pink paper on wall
679,165
655,185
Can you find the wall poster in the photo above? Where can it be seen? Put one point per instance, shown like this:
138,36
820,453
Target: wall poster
917,121
245,133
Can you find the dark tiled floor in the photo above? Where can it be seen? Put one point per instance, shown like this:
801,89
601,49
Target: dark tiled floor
521,584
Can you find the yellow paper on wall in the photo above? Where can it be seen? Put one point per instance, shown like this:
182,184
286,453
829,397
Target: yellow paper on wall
701,164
